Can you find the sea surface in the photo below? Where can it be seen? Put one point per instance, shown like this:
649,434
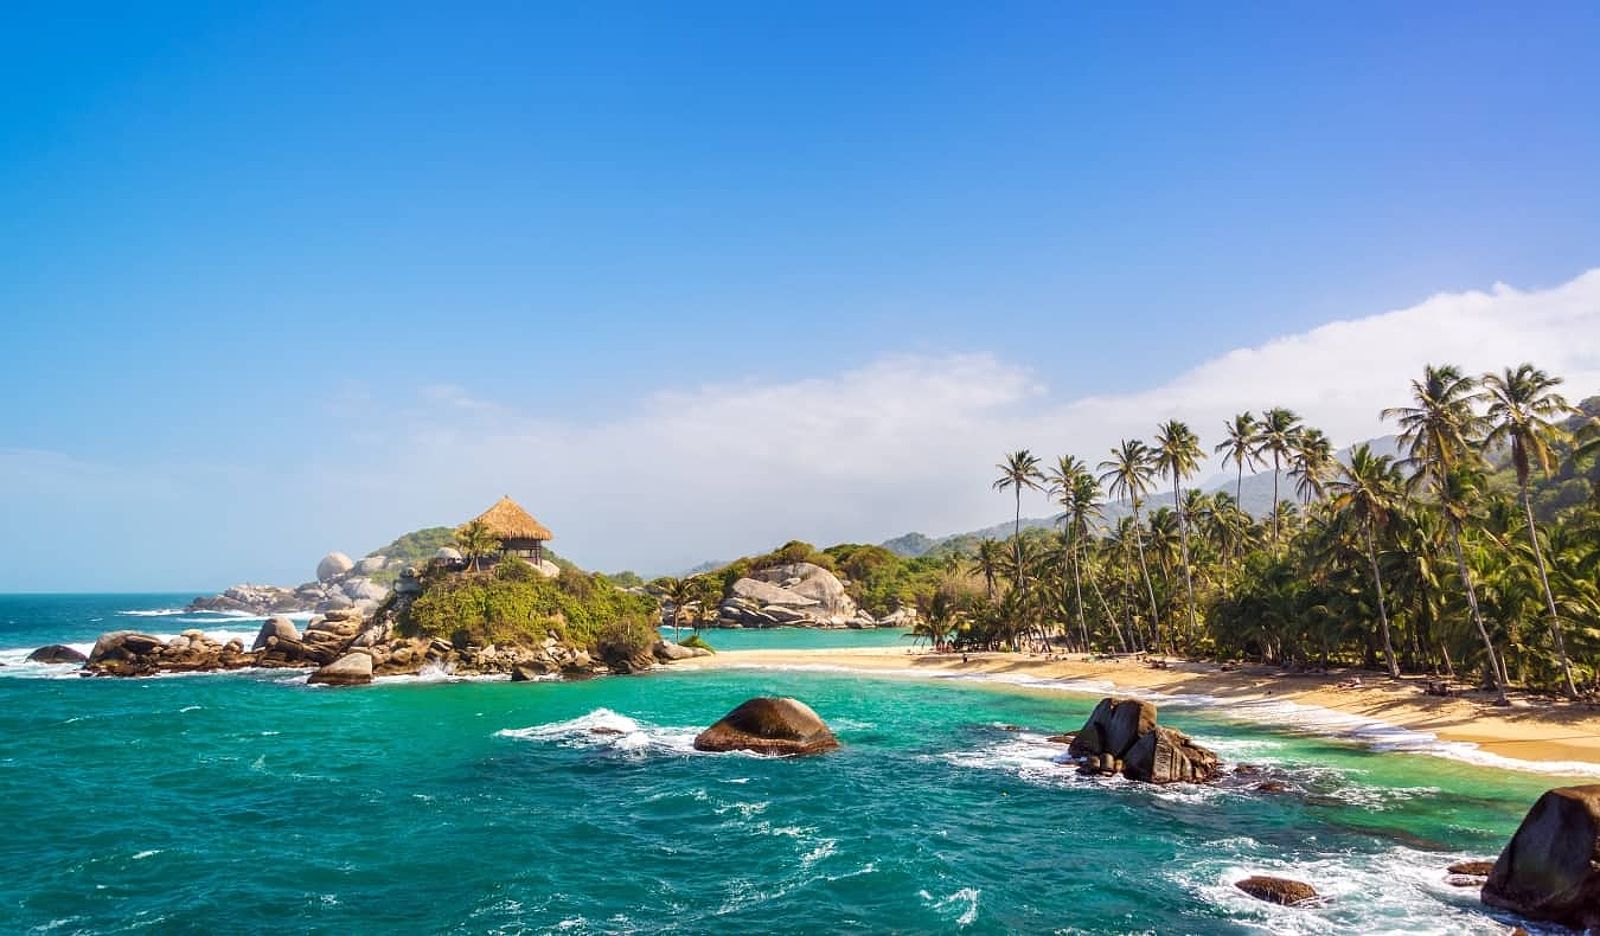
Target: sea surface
250,802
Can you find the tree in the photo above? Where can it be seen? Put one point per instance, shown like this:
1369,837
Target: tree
1177,455
1240,448
1438,432
990,556
1276,437
1020,470
1313,465
476,541
682,594
1367,492
1522,404
1127,474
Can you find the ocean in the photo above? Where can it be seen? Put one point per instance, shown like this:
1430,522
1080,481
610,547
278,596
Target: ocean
248,802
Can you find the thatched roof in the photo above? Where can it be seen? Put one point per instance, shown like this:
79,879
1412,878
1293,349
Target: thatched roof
507,520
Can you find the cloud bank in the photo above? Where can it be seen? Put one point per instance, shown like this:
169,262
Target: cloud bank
903,443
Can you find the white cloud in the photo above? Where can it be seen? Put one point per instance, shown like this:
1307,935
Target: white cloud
904,443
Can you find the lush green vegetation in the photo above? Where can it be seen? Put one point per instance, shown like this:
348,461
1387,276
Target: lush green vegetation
1475,554
513,604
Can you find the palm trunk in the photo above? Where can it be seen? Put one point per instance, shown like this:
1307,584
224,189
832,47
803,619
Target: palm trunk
1549,597
1383,612
1188,575
1111,618
1477,615
1077,588
1274,501
1144,567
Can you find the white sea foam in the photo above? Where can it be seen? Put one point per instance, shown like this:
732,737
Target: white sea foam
1295,716
963,902
605,729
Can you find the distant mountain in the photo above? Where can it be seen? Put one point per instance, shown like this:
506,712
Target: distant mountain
1255,497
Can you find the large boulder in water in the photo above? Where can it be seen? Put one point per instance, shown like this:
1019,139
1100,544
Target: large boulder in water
1550,870
1113,728
333,565
124,645
277,627
768,725
57,653
352,669
1164,755
1277,890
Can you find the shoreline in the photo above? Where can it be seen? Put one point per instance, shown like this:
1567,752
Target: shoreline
1546,737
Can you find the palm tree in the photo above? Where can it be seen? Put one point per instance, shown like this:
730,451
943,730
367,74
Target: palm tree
1314,464
476,541
1127,474
1367,492
1438,432
1177,455
1276,436
1522,405
1064,487
1020,470
1240,448
990,556
682,594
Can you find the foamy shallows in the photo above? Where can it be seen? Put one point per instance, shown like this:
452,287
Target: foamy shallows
1372,733
607,730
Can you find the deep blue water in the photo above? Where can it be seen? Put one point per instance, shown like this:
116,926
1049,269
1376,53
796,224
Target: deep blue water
246,802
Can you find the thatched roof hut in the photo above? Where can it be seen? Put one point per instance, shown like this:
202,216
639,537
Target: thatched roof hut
516,529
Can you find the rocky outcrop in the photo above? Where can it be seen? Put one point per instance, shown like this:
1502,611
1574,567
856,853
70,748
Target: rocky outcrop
1277,890
275,629
340,583
1121,736
57,653
768,725
131,653
1550,870
666,651
352,669
795,594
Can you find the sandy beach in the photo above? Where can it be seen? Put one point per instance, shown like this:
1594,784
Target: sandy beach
1534,731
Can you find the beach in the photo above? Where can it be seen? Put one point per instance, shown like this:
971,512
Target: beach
1539,734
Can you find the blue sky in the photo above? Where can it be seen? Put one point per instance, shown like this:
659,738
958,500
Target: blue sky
246,254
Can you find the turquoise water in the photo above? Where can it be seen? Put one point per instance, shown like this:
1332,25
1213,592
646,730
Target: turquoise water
234,803
797,638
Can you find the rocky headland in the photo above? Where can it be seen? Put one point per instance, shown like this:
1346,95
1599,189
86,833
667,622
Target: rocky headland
798,594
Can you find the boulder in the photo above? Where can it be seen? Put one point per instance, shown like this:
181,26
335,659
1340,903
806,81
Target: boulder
1277,890
363,589
57,653
1165,755
333,565
124,645
666,651
766,593
352,669
530,671
279,627
767,725
370,564
546,568
1113,727
1550,870
447,554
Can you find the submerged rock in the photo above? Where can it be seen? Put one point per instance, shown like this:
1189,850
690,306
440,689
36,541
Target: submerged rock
1550,870
57,653
768,725
1277,890
352,669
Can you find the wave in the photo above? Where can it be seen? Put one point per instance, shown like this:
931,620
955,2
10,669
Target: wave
607,730
1373,733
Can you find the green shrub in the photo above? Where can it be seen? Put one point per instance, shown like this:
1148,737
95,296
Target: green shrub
514,604
698,642
624,641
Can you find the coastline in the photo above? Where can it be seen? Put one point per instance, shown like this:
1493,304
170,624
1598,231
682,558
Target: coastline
1388,714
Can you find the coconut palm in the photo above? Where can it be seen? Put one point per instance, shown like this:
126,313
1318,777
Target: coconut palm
1019,471
683,594
1064,481
1240,448
1128,474
1522,404
1177,455
1275,437
475,540
1439,432
1367,492
990,556
1313,464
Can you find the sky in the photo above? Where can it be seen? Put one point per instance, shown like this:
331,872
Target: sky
690,280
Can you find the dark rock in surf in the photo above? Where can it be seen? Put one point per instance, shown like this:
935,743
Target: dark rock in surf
1277,890
57,653
1122,735
1550,870
767,725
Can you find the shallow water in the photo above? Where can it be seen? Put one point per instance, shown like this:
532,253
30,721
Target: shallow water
226,803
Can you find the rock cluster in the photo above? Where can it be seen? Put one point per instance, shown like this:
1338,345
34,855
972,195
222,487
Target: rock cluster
1550,870
340,583
798,594
131,653
769,725
1277,890
1121,736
